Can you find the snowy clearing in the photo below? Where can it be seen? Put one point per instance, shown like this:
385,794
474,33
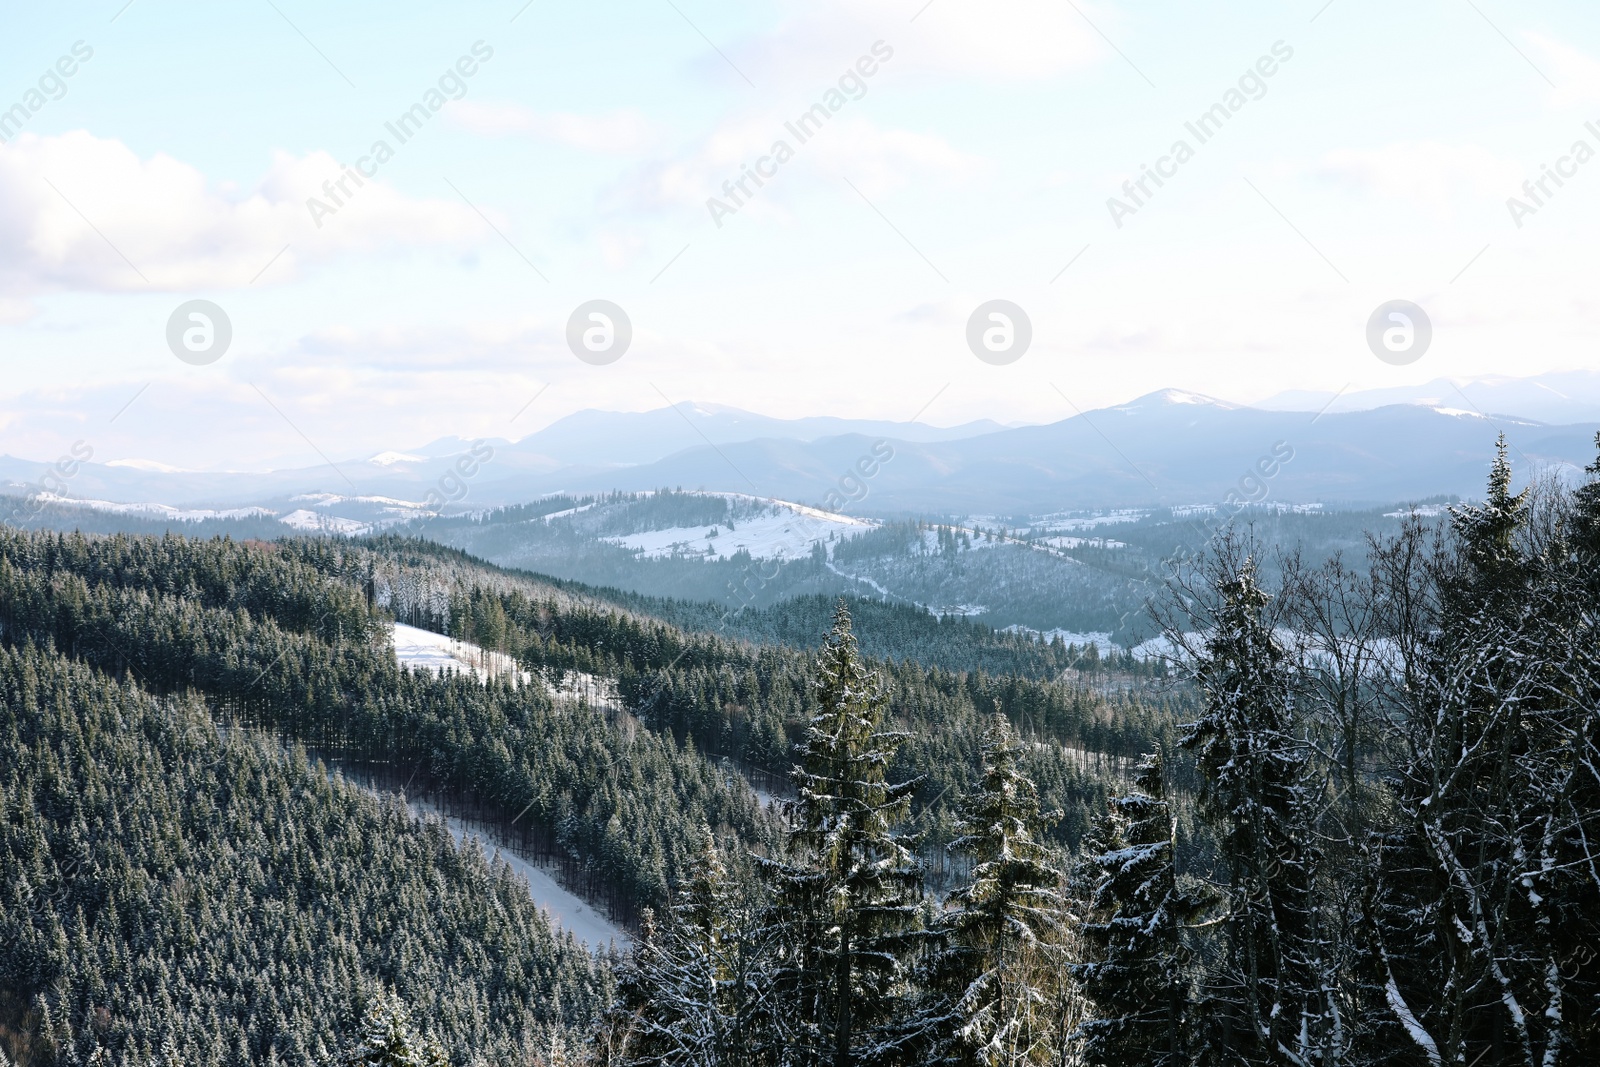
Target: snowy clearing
159,511
1062,521
423,649
316,522
567,511
335,498
1068,541
786,531
565,908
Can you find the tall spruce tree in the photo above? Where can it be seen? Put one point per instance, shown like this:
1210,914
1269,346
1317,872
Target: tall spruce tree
681,995
845,918
1004,926
1263,1003
1137,980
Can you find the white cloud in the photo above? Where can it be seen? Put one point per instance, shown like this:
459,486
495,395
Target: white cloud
1431,173
473,346
875,159
162,226
1576,74
615,132
1001,40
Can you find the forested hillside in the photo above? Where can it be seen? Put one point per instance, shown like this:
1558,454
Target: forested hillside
750,703
1351,822
173,897
898,631
1398,804
272,642
1082,572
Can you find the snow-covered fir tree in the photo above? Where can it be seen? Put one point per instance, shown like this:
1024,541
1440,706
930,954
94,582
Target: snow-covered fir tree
845,917
1004,927
388,1038
1263,1003
682,994
1137,978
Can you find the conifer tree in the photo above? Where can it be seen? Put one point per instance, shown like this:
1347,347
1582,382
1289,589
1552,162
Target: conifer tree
682,993
1137,981
1260,1003
387,1038
845,915
1004,925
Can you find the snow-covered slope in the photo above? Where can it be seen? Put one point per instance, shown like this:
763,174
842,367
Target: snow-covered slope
566,908
426,650
154,511
316,522
782,530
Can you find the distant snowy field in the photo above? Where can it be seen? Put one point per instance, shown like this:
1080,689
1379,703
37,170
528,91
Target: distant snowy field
785,531
316,522
155,511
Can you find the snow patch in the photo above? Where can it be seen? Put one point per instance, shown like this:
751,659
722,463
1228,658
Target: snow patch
159,511
566,909
785,531
1062,521
1420,511
425,650
569,511
335,498
316,522
436,653
1060,541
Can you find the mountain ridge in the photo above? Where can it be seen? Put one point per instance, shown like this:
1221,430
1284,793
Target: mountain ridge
1170,446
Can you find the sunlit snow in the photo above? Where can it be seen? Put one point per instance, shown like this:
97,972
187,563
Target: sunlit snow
786,531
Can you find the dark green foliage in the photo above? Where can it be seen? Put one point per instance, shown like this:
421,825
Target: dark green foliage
1254,792
845,900
274,638
1005,925
225,899
687,996
387,1038
1138,972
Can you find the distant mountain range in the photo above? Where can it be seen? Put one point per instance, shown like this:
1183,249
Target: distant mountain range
1560,398
1170,447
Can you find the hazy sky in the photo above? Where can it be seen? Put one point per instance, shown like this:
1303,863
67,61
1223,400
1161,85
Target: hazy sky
575,162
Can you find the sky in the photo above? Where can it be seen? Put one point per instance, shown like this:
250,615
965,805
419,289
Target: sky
1358,153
